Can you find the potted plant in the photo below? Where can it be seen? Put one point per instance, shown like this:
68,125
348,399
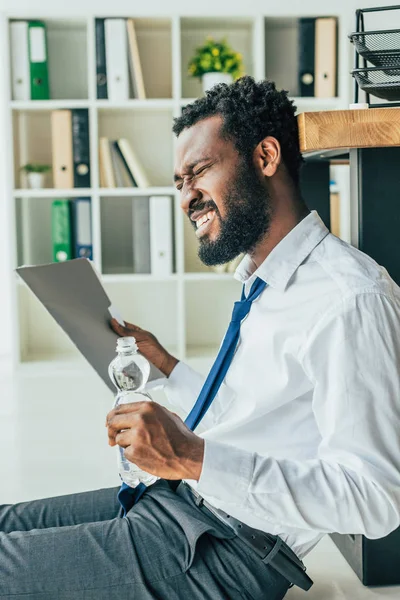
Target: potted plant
215,62
35,173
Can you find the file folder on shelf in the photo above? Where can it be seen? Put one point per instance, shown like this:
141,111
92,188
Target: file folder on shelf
20,69
117,59
325,57
141,235
81,151
101,69
306,56
61,230
161,235
61,132
82,228
38,61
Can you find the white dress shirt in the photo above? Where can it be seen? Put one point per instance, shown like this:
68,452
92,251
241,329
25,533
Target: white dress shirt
303,437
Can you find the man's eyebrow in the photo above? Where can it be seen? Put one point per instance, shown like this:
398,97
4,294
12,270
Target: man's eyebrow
190,166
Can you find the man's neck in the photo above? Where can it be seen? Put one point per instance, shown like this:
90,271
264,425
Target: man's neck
286,214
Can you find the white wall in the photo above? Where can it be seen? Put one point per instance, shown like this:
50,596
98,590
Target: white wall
38,8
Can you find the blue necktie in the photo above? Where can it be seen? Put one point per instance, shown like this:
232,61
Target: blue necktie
128,496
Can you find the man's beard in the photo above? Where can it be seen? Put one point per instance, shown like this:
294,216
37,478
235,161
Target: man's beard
246,222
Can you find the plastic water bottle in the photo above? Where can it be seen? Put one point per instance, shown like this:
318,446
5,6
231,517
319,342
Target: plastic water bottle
129,372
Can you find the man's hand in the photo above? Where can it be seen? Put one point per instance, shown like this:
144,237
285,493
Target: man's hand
148,345
156,440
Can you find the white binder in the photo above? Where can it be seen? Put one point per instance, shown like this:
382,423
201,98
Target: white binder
117,59
161,235
21,84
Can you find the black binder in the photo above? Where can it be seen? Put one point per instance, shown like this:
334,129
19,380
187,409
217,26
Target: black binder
80,145
101,68
306,56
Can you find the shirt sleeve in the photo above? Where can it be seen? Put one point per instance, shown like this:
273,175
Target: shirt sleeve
352,356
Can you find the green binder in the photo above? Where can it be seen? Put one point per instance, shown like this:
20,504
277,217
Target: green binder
61,230
39,72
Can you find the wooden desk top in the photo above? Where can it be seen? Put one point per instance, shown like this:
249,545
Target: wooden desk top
334,129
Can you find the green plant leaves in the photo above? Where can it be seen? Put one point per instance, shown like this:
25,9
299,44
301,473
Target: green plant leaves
215,56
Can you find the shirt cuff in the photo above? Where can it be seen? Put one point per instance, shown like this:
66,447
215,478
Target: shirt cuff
226,473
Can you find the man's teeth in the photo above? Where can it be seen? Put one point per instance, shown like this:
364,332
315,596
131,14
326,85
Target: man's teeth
204,218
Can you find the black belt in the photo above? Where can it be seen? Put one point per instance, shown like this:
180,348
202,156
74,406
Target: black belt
270,548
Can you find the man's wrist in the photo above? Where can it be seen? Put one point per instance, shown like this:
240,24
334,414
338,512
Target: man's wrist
195,457
168,365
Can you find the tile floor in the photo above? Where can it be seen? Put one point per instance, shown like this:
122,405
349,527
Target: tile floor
53,441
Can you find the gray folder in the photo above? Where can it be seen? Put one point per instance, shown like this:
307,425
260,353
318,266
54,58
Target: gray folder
72,293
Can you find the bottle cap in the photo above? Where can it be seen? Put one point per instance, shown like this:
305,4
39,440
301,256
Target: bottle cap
127,344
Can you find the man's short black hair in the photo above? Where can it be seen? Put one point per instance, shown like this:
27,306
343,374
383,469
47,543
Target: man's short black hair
251,111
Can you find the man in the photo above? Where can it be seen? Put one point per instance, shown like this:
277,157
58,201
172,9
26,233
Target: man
301,438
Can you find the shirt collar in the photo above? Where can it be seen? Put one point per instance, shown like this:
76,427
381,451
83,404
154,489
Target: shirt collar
284,260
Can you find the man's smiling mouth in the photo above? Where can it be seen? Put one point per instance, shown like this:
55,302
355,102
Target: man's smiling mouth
205,218
204,222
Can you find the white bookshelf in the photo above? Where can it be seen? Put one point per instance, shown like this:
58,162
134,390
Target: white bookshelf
189,310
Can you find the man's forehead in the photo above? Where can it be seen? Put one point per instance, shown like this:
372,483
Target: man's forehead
201,139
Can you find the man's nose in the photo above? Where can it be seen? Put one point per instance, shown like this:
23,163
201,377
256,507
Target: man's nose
189,196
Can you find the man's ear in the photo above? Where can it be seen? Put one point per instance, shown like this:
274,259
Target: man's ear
268,156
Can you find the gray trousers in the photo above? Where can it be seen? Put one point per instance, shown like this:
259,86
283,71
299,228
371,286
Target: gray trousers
79,547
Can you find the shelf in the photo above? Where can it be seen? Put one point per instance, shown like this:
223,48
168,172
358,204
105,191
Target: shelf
154,41
49,104
151,191
150,104
238,31
78,192
165,45
53,192
149,134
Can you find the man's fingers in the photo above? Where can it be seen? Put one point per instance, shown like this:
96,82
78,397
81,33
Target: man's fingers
126,327
116,430
129,330
132,407
122,440
125,416
120,422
